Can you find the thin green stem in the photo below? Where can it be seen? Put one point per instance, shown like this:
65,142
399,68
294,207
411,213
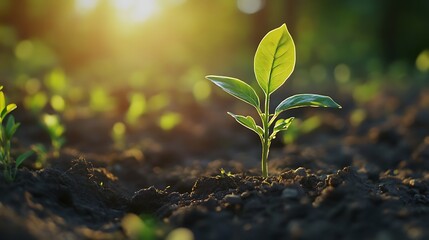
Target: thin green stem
8,170
266,140
273,119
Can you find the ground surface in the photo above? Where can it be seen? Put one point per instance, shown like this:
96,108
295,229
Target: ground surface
344,180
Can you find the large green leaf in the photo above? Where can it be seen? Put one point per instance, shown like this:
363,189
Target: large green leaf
274,59
306,100
249,123
236,88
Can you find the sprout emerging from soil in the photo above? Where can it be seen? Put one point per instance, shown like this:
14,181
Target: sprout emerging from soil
9,165
274,62
55,129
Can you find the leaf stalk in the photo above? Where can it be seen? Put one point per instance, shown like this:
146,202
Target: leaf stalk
267,142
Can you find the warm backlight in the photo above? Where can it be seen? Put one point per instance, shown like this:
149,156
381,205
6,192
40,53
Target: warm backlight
135,10
128,11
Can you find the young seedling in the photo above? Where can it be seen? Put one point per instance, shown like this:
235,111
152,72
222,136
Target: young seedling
274,62
41,155
10,166
224,173
55,130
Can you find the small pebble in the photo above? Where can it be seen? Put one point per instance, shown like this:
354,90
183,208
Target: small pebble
232,199
333,180
245,194
300,172
289,193
253,204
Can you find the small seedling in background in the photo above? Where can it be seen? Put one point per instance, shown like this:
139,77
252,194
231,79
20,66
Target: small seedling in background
55,130
36,103
274,62
42,155
136,109
118,135
10,166
224,173
100,100
169,120
299,128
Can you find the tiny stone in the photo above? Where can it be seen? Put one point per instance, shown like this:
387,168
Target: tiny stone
333,180
383,235
232,199
295,229
253,204
245,194
289,193
300,172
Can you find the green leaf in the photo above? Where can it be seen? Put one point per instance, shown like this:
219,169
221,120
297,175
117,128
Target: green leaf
249,123
2,101
21,158
274,59
9,108
281,125
306,100
236,88
11,127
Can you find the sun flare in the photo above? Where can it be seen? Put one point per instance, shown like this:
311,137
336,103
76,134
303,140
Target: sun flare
127,11
135,11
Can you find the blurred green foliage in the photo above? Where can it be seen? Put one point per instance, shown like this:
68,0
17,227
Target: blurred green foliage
67,52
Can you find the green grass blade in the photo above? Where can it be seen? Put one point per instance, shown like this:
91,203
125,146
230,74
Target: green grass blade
21,158
11,127
274,59
236,88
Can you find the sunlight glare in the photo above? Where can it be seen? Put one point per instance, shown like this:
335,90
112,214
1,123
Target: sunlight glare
84,6
135,11
250,6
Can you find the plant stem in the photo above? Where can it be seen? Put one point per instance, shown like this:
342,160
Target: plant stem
8,172
266,141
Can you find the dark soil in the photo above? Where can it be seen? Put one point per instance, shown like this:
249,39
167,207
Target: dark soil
341,181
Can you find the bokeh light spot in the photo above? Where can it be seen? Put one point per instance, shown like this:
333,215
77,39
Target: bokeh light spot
136,109
169,120
180,234
24,50
36,102
32,86
250,6
100,100
118,134
136,11
158,102
84,6
357,117
56,81
201,90
119,129
342,73
422,61
132,226
58,103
